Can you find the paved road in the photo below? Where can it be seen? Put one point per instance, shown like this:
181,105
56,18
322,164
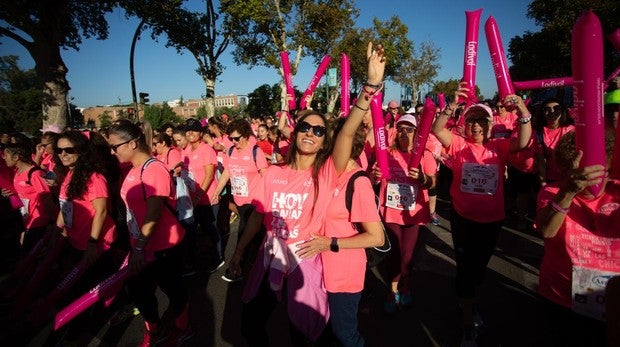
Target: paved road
509,305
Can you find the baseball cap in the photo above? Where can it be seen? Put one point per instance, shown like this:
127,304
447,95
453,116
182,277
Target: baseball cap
479,108
193,124
612,97
53,128
408,119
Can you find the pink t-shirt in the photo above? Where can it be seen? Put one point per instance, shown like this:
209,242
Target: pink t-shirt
47,161
477,189
78,213
344,271
402,202
172,158
198,159
31,193
524,160
503,127
244,176
588,240
288,201
156,182
551,137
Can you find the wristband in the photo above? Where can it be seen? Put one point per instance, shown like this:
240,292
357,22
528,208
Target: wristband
524,120
557,208
358,107
376,86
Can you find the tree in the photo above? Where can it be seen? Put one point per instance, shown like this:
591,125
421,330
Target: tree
20,97
43,28
547,53
204,35
264,100
449,87
418,69
261,29
159,115
105,120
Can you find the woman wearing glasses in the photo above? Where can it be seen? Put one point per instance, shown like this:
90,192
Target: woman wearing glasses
477,193
155,233
404,204
553,123
244,166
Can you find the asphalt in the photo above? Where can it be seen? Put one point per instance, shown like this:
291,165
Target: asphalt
508,303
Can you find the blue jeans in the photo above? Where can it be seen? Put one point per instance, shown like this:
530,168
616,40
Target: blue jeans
343,309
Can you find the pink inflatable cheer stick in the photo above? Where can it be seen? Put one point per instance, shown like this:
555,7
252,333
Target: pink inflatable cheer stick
288,82
110,300
421,136
442,101
381,144
106,289
25,297
320,71
587,64
470,56
345,94
546,83
498,58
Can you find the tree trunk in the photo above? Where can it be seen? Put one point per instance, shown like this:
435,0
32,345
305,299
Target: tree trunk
333,97
414,93
210,96
53,72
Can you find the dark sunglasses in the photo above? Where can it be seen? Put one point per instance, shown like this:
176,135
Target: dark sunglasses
317,130
234,138
68,150
409,130
555,108
114,148
481,121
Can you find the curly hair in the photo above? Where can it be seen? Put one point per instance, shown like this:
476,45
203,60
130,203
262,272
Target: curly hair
87,163
241,126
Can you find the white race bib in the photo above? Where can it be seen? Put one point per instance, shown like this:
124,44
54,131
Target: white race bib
132,224
588,291
479,178
401,196
239,185
66,208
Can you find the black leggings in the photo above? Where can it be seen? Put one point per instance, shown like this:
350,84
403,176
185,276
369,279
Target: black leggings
474,243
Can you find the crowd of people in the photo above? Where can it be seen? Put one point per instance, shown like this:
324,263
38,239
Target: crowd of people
78,205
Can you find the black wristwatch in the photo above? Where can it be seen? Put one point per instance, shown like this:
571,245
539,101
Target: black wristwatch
334,245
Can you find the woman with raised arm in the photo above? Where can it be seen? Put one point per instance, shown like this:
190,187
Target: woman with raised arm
477,191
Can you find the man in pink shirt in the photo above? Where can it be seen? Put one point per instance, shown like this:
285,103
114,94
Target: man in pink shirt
202,163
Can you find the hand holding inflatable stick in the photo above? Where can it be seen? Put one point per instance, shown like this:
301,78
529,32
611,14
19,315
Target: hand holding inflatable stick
587,64
421,136
380,134
470,57
320,71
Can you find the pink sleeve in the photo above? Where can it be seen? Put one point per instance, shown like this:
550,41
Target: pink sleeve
156,180
429,164
456,145
38,183
261,160
174,159
363,200
211,156
97,187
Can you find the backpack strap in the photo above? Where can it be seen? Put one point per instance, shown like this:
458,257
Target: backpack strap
254,153
30,172
146,163
348,199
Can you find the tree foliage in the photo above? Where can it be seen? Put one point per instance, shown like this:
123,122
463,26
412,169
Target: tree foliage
159,115
449,87
419,68
43,28
264,100
20,97
547,53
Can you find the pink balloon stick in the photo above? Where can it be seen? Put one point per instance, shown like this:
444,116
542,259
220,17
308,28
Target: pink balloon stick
498,58
587,64
320,71
381,144
345,94
470,55
545,83
288,80
421,136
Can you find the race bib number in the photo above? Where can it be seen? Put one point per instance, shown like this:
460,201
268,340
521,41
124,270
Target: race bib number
24,209
239,185
401,196
132,224
66,208
479,178
588,291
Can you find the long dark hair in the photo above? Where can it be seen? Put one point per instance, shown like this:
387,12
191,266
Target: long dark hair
321,156
87,163
130,132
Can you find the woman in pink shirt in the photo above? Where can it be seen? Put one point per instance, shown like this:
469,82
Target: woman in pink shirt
582,246
39,210
404,204
477,191
164,152
552,124
155,233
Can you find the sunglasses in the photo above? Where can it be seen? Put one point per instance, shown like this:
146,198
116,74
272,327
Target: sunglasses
68,150
114,148
481,121
234,138
408,130
555,108
317,130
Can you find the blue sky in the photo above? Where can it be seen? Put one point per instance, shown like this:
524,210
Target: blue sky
99,71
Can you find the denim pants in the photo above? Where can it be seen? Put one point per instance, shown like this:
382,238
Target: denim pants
343,309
